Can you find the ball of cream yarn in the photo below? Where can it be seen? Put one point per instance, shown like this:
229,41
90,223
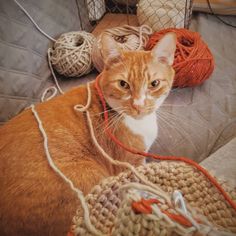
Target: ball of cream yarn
126,37
71,54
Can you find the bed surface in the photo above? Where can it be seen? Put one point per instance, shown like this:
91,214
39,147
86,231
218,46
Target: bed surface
193,122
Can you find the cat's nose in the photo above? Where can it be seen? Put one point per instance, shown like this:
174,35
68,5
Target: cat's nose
138,103
138,108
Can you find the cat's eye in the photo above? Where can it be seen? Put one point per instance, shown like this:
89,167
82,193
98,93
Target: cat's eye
124,84
155,83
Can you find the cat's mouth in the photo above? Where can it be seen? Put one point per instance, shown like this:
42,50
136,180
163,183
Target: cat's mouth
134,112
138,115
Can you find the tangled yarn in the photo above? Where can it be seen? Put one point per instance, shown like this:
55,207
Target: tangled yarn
112,213
71,53
193,62
127,38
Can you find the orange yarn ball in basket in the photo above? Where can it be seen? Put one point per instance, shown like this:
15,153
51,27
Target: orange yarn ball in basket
193,61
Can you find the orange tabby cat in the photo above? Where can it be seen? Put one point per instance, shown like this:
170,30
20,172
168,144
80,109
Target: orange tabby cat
36,201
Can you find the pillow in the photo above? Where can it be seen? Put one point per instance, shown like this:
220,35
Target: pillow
223,7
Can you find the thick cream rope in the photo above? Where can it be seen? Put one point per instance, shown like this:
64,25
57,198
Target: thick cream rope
52,89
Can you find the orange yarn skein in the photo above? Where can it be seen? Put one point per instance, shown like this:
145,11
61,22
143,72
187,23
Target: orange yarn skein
193,61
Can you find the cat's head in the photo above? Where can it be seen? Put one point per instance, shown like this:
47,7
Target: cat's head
137,82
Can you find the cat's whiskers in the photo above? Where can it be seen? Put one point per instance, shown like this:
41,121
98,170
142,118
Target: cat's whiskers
120,115
116,125
176,90
108,110
109,127
113,120
167,131
111,114
103,123
179,119
150,108
172,124
173,105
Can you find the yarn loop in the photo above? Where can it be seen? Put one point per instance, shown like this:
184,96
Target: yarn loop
193,62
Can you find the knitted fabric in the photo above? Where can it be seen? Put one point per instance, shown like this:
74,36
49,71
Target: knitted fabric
111,212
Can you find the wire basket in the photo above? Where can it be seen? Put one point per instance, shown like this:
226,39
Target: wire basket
162,14
121,6
96,9
158,14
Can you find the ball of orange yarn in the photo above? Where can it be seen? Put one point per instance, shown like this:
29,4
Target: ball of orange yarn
193,61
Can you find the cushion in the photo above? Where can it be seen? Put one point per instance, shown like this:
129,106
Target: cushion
223,7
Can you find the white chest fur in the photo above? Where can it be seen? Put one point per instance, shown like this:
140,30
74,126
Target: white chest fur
146,127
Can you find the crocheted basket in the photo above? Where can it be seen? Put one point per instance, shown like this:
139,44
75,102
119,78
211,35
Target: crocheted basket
112,212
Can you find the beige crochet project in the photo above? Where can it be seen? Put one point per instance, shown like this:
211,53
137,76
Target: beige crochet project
110,204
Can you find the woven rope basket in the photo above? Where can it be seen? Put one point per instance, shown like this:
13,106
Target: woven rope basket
71,54
127,38
112,214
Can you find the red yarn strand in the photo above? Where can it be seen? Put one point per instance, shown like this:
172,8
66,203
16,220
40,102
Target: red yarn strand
158,157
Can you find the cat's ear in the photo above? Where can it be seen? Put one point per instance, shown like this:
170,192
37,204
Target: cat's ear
110,50
164,51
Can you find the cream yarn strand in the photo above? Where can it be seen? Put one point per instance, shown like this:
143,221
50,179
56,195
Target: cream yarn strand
79,194
35,24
